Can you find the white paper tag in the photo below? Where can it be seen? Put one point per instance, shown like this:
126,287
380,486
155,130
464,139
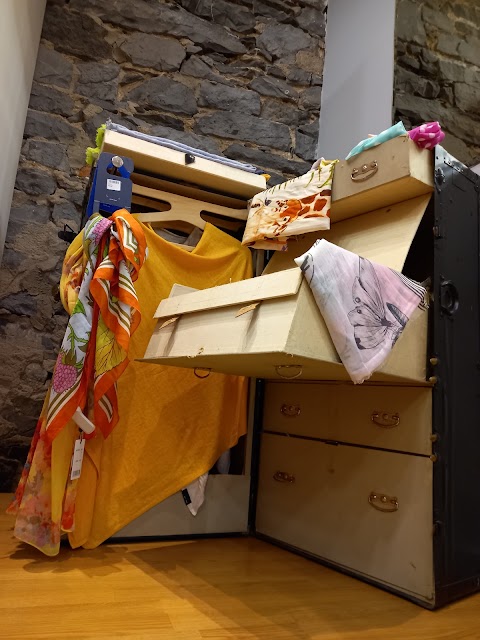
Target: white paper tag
77,459
114,185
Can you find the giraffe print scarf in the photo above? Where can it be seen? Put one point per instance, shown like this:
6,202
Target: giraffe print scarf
295,207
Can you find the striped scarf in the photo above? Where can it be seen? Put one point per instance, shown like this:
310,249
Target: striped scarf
94,350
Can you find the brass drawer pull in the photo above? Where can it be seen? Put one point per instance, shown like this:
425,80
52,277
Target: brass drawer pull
290,410
365,172
283,370
383,503
386,420
283,476
205,372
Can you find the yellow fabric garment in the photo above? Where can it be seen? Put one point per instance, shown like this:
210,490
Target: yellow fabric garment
173,426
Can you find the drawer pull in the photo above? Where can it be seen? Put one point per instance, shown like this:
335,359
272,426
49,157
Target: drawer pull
205,373
383,503
290,410
283,476
365,172
386,420
284,369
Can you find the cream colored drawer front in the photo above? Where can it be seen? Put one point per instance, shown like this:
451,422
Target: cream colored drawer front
299,409
315,497
397,418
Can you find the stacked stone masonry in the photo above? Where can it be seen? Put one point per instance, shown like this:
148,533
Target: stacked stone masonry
437,72
237,77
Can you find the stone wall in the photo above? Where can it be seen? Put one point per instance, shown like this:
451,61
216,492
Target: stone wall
437,74
242,78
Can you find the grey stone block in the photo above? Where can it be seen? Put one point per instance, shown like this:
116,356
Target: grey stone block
409,25
53,68
437,18
274,87
76,33
157,52
306,146
51,100
30,213
233,15
410,82
313,21
266,160
44,125
98,81
467,98
229,98
50,154
469,50
239,126
448,44
277,111
165,93
35,182
281,39
310,98
20,304
65,211
148,17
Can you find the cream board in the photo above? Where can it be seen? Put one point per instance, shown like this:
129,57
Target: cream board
383,236
157,160
225,510
322,507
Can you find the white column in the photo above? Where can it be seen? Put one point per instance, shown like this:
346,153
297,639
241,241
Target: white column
357,94
20,30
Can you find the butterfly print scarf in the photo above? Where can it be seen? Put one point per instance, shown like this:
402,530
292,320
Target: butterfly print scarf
365,306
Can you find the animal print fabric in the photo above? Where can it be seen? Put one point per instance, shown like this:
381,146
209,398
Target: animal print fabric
295,207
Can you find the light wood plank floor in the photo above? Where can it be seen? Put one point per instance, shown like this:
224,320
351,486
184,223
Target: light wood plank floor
224,589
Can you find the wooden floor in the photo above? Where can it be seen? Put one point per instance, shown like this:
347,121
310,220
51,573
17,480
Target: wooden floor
209,589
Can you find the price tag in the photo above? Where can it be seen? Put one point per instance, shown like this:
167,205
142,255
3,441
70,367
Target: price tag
114,185
77,459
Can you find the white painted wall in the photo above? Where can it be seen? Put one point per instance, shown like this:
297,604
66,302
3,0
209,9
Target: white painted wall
20,28
357,93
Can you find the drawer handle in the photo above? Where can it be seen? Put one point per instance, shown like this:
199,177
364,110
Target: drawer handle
383,503
290,410
386,420
365,172
205,373
287,367
283,476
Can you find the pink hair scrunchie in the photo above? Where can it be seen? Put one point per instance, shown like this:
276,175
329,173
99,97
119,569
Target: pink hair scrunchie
427,135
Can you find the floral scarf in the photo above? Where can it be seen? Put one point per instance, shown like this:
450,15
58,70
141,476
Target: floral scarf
104,316
96,288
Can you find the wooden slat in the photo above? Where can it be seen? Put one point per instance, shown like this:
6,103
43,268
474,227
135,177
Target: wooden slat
186,205
276,285
189,191
155,159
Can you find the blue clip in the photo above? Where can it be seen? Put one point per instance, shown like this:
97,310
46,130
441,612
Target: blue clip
111,185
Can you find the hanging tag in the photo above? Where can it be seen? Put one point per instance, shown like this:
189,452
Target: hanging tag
77,459
114,185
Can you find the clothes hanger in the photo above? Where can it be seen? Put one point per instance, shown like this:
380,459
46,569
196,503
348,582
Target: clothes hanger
184,209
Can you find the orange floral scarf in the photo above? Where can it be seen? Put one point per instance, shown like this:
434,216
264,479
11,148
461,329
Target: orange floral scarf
104,316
